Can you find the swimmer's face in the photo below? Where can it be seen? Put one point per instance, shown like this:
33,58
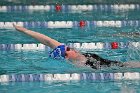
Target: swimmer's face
71,53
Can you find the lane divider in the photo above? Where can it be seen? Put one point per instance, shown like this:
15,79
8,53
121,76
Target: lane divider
67,8
79,46
71,24
68,77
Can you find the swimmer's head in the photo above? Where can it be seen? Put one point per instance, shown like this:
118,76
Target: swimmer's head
71,53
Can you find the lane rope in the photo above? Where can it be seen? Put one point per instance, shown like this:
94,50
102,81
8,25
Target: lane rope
68,77
71,24
79,46
67,8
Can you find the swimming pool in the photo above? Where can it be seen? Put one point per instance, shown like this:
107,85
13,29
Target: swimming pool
26,67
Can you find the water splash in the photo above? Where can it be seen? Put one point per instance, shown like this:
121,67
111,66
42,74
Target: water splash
133,51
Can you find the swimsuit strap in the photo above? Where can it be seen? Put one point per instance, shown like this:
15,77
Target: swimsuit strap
58,52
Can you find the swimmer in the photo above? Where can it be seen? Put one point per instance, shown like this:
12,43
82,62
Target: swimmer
60,51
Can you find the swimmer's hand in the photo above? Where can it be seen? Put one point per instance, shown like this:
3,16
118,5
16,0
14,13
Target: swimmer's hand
19,28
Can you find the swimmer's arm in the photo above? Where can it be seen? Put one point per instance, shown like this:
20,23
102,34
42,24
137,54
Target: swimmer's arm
40,37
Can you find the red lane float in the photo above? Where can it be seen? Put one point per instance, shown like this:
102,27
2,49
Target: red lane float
82,23
114,45
58,8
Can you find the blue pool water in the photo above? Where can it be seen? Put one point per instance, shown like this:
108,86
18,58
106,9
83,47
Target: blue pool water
38,62
72,87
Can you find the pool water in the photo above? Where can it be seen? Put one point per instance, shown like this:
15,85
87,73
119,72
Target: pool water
37,61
